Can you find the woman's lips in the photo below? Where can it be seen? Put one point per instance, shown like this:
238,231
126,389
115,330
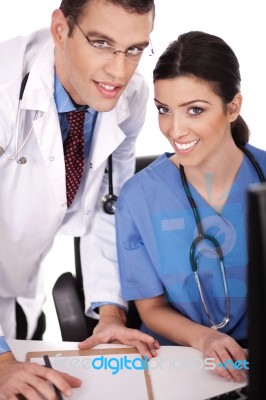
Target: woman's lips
185,147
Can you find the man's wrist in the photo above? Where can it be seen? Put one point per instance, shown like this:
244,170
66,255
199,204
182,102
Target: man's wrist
4,347
6,358
96,304
108,311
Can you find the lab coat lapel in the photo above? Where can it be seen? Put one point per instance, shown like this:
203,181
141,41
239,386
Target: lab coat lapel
108,135
39,91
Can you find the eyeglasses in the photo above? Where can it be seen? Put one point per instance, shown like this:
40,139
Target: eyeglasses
104,50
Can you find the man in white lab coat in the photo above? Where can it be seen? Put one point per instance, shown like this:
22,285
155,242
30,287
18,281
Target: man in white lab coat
88,58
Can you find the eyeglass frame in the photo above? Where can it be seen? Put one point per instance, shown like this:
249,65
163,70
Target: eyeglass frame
115,49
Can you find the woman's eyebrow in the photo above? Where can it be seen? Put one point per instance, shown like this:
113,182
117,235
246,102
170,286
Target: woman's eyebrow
159,102
187,103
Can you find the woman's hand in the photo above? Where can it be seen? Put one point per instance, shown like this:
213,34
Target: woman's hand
225,351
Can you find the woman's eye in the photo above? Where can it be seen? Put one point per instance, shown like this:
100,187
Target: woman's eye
163,110
195,111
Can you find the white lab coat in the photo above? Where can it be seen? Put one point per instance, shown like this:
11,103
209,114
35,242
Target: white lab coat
33,195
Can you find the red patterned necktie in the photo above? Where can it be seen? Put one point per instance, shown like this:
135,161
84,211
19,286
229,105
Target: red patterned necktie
74,153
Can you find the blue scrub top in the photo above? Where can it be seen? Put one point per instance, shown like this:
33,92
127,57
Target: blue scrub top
155,229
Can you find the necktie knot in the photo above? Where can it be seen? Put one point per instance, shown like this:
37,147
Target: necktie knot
74,153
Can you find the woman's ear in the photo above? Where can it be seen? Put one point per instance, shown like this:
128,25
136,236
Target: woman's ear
59,27
234,107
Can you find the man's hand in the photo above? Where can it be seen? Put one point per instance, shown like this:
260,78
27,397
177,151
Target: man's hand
31,380
111,329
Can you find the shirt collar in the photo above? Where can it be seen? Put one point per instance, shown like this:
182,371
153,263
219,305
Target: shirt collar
62,99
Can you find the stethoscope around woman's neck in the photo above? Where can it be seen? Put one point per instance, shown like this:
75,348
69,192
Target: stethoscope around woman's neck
194,260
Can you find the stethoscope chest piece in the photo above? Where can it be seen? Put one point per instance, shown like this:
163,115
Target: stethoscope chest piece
109,203
22,160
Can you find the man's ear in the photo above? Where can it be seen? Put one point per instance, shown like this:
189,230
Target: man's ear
234,107
59,27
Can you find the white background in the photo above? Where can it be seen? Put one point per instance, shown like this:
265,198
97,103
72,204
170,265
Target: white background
241,23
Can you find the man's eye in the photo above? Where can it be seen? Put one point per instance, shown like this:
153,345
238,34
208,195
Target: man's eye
133,51
100,44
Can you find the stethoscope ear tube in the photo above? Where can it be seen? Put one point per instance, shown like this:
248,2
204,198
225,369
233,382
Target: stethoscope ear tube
226,319
194,261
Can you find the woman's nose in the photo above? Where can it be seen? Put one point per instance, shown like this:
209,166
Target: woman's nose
179,127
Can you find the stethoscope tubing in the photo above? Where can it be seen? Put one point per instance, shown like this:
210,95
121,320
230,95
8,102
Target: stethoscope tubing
22,160
218,251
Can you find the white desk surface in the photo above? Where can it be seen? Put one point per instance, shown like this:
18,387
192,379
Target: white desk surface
176,374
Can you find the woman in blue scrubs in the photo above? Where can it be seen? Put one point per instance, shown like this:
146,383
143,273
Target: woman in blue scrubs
181,222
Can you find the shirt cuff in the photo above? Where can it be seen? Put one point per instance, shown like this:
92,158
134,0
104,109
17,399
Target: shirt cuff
4,348
97,304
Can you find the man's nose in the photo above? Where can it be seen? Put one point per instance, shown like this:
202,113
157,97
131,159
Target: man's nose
118,67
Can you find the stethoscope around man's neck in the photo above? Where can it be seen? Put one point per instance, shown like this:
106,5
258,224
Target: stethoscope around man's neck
108,201
15,156
194,260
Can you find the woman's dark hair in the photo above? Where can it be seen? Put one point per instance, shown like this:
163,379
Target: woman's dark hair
208,58
75,8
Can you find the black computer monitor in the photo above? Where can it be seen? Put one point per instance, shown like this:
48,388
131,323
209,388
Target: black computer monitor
256,220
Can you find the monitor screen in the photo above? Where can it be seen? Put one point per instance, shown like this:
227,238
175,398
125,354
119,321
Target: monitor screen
256,220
